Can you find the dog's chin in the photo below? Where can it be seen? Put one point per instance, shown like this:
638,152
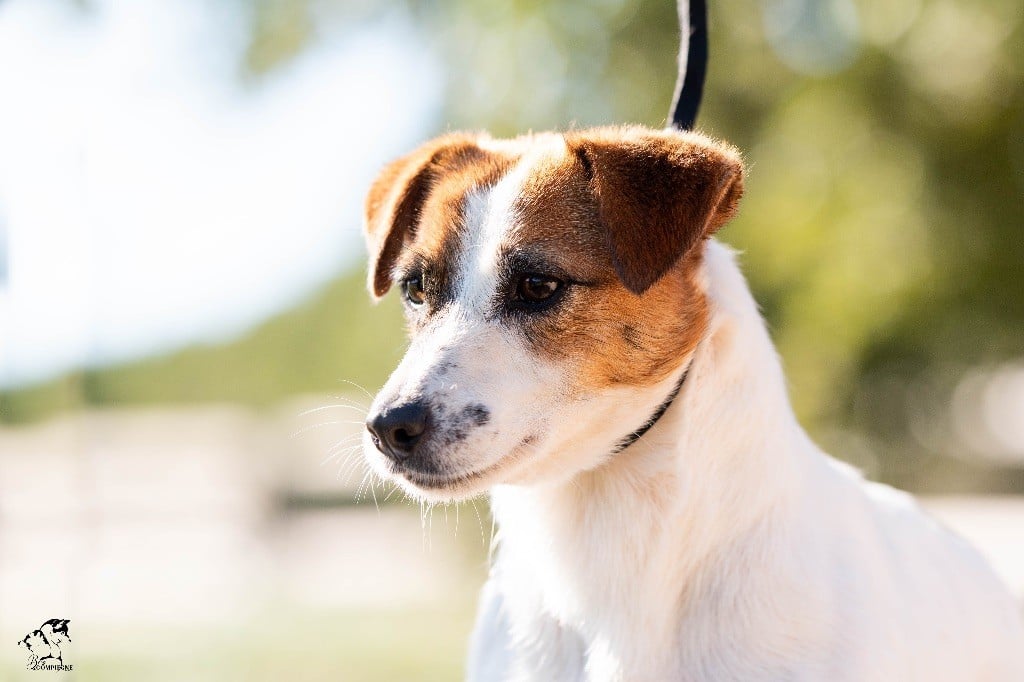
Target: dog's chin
449,487
441,486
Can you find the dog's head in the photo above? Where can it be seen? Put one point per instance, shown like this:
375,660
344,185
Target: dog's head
550,283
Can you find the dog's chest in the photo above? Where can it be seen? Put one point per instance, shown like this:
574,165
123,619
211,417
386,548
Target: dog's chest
584,599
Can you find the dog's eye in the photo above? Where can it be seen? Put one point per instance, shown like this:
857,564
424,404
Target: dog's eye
412,289
536,288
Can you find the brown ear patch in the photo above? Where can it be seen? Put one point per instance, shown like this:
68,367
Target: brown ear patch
658,194
394,205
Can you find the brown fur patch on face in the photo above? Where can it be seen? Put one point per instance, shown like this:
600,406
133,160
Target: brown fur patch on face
559,220
610,336
624,214
664,324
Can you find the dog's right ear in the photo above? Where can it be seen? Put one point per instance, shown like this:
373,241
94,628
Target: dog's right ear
659,193
393,204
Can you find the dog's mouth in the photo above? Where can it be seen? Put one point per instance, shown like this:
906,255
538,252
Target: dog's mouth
456,483
445,481
440,482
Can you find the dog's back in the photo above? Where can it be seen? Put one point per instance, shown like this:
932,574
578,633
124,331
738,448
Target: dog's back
911,600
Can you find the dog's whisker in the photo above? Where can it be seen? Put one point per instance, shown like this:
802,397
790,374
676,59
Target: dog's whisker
430,526
361,488
353,466
423,525
480,521
346,449
347,442
347,467
373,492
360,387
343,455
334,406
320,425
341,450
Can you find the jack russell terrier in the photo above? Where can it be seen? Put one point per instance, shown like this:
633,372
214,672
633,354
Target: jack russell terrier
584,350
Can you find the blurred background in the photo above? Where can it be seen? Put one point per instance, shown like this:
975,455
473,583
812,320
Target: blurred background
187,349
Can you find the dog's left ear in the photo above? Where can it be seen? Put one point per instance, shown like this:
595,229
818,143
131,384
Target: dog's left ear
659,193
392,209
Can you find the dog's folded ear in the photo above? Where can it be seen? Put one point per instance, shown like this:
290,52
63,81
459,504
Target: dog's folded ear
659,193
396,197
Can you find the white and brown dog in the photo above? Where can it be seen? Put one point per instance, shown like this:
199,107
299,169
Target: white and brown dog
582,349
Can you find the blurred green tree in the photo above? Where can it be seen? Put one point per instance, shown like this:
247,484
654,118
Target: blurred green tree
881,228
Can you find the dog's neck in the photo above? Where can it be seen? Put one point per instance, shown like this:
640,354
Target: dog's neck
695,486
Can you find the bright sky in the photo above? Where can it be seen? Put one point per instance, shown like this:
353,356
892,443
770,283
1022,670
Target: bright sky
151,200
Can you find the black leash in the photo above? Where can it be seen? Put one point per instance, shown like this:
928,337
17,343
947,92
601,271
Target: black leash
693,68
693,63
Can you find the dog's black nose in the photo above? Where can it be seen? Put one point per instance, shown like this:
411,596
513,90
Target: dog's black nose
397,429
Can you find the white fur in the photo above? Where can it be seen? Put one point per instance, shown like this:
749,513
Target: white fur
725,546
491,219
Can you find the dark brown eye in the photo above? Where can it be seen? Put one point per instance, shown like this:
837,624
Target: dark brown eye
536,288
412,289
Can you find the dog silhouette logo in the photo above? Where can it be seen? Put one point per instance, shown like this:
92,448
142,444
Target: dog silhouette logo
45,645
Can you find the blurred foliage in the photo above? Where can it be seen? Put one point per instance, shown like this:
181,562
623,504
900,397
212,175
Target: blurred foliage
881,229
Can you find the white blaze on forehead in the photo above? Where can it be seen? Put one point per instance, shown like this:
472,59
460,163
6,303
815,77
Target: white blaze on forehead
491,223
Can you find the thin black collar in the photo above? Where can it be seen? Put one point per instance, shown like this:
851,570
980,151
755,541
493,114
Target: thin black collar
655,416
